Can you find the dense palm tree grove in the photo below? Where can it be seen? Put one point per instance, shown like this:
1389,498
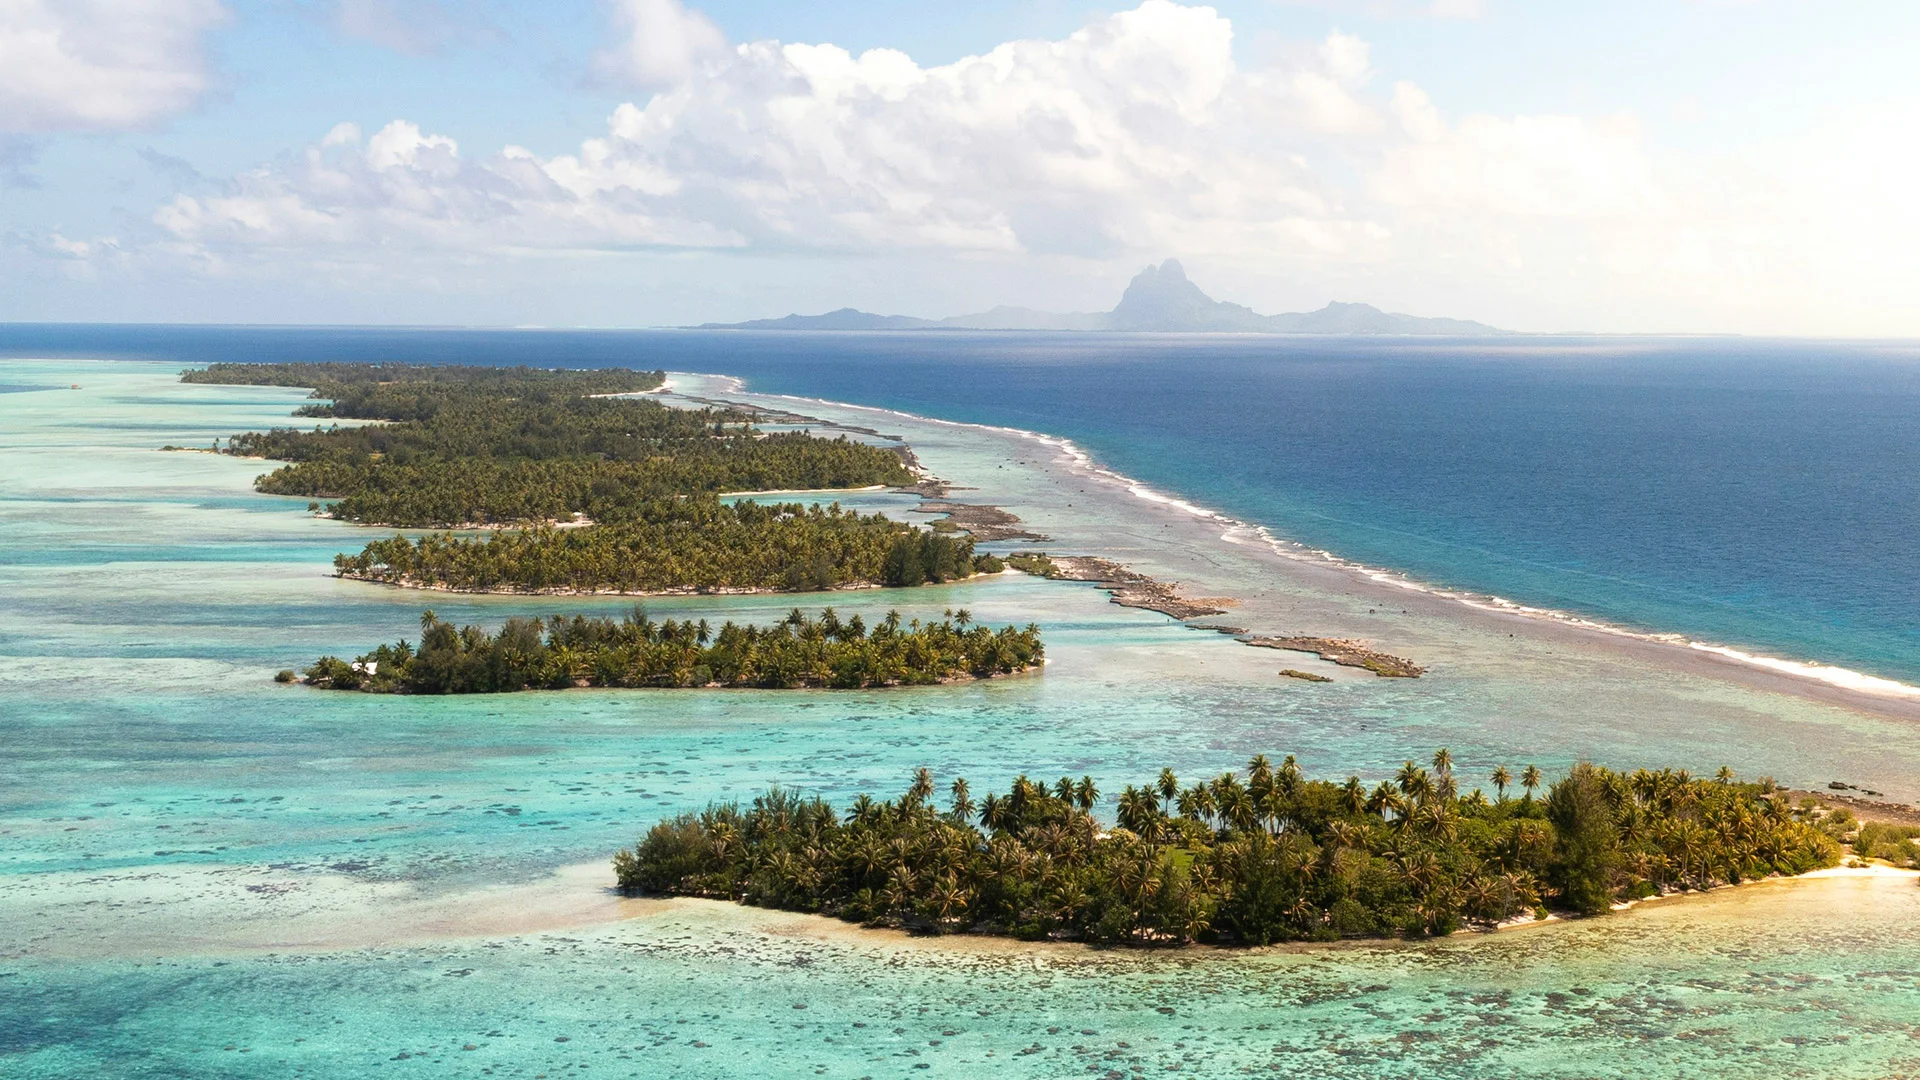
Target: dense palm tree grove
798,651
692,545
394,391
1250,858
527,447
479,445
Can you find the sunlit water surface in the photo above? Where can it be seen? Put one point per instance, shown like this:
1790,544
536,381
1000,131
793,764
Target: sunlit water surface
204,874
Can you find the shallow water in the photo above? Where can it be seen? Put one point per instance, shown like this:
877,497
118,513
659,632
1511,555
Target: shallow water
1755,493
193,858
1731,986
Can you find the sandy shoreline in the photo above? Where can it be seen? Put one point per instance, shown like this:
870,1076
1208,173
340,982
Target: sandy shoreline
1297,592
260,911
371,928
1384,589
1156,536
825,928
138,911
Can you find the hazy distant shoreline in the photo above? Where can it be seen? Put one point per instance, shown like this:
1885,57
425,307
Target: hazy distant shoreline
1160,299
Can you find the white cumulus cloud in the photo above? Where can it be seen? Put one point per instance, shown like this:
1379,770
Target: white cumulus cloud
1136,137
662,42
101,64
1561,166
1136,133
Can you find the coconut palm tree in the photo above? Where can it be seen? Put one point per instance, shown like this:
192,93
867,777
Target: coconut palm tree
1066,902
1681,798
1345,834
922,788
1485,898
1168,786
1414,782
1644,785
1528,837
947,898
1274,810
1020,795
993,813
1385,800
1501,778
1240,810
962,804
1287,781
1529,779
1189,919
1139,812
1436,822
901,889
1353,797
1086,795
868,860
1259,776
1419,866
1202,802
1004,858
1188,803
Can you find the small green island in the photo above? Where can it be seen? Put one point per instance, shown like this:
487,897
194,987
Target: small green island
578,488
1249,860
798,652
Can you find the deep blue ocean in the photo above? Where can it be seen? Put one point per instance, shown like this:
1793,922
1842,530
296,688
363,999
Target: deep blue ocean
1758,493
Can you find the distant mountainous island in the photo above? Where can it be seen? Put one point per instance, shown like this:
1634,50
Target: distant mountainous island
1159,299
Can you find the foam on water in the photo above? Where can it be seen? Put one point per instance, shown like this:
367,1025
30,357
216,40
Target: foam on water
1237,531
204,874
1826,673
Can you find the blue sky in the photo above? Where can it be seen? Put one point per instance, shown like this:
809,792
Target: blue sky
1678,166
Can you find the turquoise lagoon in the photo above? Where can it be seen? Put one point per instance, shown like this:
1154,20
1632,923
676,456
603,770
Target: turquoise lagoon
205,874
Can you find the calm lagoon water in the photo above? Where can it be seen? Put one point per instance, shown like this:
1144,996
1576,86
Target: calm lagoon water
179,837
1757,493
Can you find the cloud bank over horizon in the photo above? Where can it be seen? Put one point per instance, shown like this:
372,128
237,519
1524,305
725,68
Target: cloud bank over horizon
1140,135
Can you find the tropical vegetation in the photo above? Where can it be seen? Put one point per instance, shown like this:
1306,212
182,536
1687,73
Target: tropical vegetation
396,391
1036,563
799,651
694,545
1894,843
635,484
1243,858
464,445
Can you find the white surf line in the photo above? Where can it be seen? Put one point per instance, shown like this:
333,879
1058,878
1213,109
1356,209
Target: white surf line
1242,532
1813,669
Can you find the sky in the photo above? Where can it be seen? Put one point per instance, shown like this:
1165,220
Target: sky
1688,166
